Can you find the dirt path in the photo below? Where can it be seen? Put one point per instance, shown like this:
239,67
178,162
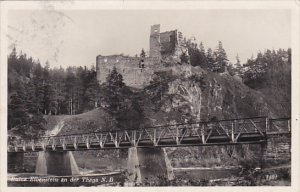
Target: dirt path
57,127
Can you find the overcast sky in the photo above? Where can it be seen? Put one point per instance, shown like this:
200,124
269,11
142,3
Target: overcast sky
75,38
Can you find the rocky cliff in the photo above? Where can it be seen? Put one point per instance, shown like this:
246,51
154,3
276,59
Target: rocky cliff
194,94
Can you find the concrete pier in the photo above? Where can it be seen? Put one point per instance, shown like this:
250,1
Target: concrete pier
56,163
148,163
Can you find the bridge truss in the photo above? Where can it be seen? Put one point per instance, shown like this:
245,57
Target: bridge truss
222,132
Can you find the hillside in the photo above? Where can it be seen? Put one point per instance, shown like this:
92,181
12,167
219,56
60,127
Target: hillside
191,94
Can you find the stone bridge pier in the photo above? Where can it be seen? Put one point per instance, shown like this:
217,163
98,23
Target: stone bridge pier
56,163
148,163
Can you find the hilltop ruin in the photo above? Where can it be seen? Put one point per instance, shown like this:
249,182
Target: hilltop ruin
138,71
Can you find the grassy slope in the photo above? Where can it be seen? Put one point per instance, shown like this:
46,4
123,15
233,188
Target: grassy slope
81,123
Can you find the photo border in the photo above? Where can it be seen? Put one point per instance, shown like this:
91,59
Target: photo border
293,5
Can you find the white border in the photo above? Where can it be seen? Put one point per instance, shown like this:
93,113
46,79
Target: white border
294,6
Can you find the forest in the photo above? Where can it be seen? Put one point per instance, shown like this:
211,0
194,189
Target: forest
35,90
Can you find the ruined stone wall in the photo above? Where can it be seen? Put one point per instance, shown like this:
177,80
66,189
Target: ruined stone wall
168,42
163,47
129,67
155,51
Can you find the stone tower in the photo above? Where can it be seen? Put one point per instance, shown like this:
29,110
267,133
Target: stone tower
155,49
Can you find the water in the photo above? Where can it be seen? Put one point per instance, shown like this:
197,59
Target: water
207,174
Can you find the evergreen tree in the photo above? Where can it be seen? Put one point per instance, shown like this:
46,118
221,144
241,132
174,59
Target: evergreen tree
17,110
92,93
131,114
143,54
210,58
12,60
39,84
194,56
202,57
59,106
237,69
115,91
221,60
124,106
31,97
70,90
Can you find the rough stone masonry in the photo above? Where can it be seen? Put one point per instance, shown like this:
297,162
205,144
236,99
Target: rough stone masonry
138,71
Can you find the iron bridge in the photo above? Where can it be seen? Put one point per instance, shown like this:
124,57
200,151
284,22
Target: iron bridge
222,132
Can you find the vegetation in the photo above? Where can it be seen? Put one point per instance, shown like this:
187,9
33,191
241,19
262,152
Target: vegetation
215,61
34,91
123,105
270,73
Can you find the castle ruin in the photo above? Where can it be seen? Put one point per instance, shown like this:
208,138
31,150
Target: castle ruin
138,71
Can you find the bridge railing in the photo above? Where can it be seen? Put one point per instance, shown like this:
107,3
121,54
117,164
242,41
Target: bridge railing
233,129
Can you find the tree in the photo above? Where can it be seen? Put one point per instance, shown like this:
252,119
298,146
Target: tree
58,106
39,82
131,114
221,60
49,93
124,106
92,94
114,91
264,70
202,57
210,59
143,54
197,55
17,111
12,60
70,90
31,97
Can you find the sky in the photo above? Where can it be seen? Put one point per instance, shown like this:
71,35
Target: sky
76,37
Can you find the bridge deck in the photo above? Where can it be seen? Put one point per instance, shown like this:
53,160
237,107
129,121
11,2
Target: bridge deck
224,132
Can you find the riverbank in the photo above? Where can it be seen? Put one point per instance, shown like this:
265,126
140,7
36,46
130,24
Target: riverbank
187,176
